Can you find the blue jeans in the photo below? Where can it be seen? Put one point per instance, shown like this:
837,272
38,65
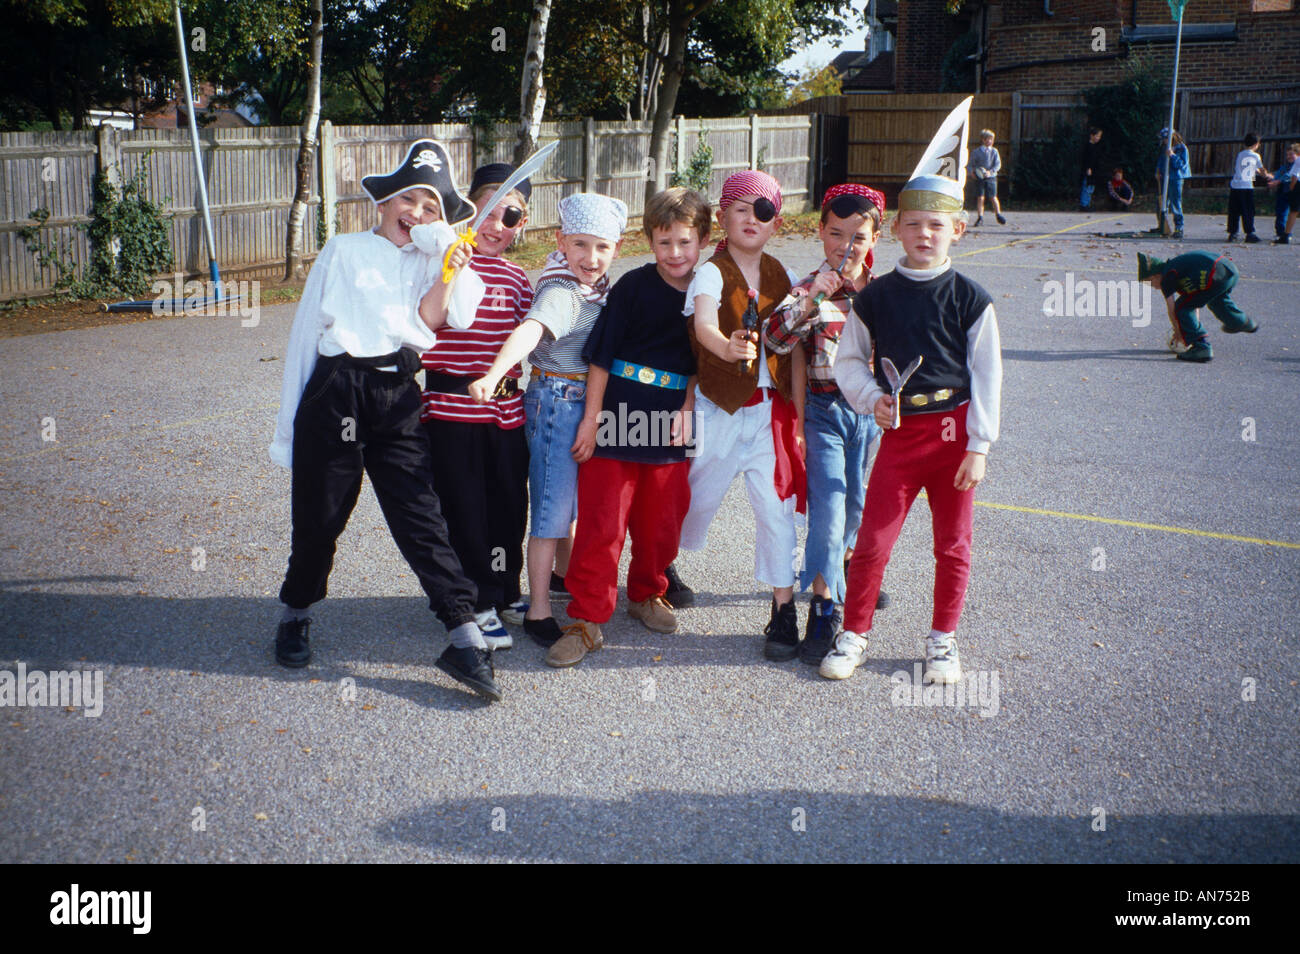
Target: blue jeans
838,440
1174,202
553,409
1085,193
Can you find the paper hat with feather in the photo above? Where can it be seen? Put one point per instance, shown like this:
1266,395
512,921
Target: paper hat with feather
938,183
426,165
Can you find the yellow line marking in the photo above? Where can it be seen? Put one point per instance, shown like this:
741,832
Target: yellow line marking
1034,238
1141,526
56,446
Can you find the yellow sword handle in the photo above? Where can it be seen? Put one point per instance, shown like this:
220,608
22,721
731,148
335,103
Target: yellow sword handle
449,273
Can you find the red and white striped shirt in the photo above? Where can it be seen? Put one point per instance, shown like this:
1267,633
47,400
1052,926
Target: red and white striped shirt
469,352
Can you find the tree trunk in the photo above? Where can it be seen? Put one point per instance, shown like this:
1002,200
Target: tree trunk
680,15
306,148
532,91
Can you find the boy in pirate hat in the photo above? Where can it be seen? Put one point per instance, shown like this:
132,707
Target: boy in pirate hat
746,418
940,421
483,487
349,402
1197,278
838,437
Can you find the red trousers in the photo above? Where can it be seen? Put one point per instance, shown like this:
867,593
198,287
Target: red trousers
616,496
925,452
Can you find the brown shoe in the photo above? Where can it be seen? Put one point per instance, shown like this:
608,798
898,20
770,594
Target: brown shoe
655,613
579,639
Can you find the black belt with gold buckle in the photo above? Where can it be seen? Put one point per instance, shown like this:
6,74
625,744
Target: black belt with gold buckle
935,397
454,384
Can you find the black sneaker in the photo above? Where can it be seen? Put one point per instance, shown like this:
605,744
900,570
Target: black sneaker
678,594
292,645
978,222
1252,239
882,600
1001,219
471,667
825,620
1249,328
544,632
1232,237
557,585
782,632
1282,240
1199,352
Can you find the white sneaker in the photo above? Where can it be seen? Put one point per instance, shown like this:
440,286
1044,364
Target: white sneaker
942,663
847,655
514,613
494,634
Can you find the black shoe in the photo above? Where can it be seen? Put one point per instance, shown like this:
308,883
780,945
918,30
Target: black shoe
825,620
292,645
1001,220
1282,240
978,222
678,594
544,632
782,632
1199,353
1177,235
1232,237
1250,328
882,600
1252,239
471,667
557,585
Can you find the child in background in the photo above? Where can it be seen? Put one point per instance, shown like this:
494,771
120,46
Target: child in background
984,164
483,486
349,403
1241,196
1280,183
1174,163
570,293
631,443
838,437
949,412
745,421
1291,189
1198,278
1091,161
1119,192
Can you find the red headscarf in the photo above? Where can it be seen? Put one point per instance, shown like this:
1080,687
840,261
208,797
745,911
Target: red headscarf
749,182
874,196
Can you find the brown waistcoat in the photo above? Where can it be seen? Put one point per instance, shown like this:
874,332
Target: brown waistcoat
725,382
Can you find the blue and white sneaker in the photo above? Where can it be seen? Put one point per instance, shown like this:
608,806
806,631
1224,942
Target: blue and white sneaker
942,663
514,613
494,634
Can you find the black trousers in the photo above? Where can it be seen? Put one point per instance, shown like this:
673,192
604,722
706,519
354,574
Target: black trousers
353,419
1241,204
480,473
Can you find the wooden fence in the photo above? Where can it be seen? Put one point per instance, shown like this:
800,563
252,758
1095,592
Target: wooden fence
888,132
249,175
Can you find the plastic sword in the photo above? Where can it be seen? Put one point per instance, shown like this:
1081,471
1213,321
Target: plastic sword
529,166
896,381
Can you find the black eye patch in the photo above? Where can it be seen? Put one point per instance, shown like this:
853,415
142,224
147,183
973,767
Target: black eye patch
843,206
511,216
764,210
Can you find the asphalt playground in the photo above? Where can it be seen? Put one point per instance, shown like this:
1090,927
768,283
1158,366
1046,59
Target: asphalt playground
1129,627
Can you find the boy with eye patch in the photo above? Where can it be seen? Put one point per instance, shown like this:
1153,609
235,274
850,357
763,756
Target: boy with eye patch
837,437
483,485
746,418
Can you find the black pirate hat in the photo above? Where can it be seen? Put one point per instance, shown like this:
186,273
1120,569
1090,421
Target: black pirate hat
426,166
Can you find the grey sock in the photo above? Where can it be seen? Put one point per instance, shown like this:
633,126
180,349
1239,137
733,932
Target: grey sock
467,635
291,615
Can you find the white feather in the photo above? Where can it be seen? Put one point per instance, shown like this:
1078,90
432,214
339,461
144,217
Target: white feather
952,133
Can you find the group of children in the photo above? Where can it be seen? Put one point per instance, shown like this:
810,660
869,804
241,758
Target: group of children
647,398
1247,167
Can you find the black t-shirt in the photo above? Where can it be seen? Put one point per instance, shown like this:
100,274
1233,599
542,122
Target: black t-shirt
642,324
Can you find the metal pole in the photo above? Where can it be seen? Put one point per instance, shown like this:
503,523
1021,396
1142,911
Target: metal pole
198,158
1169,143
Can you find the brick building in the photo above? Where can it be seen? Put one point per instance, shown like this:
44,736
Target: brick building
1054,44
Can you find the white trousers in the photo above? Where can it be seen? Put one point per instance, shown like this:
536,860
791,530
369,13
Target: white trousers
741,443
